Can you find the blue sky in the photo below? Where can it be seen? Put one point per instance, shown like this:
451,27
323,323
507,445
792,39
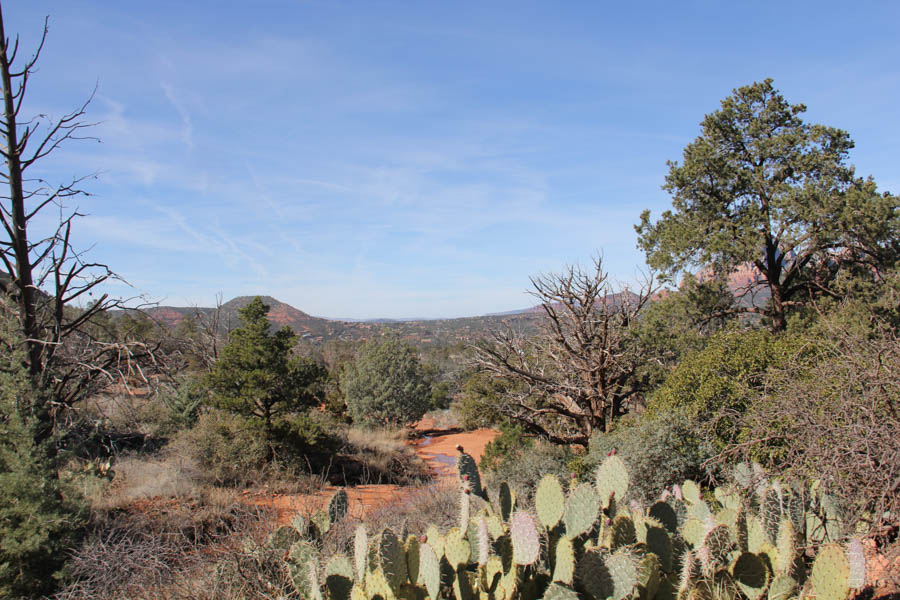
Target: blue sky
418,159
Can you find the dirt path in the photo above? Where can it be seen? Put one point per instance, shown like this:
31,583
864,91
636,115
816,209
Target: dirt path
437,450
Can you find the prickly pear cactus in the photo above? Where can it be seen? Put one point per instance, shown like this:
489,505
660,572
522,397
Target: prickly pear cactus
564,561
468,473
830,573
360,551
338,578
612,480
549,501
338,506
526,543
751,575
582,509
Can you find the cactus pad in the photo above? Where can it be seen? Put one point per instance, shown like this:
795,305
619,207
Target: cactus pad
339,578
549,501
622,532
411,549
429,570
391,559
856,558
505,501
525,540
564,563
612,479
830,573
751,575
582,509
456,548
785,548
691,491
660,544
338,506
782,588
283,538
557,591
693,532
665,514
468,473
360,551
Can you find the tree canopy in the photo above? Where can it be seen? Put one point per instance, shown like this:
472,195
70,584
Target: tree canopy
386,384
256,375
761,187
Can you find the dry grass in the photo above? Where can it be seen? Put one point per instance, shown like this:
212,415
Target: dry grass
381,456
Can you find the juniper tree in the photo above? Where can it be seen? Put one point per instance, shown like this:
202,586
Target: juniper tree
762,187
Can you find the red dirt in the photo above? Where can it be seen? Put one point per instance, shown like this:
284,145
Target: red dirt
438,451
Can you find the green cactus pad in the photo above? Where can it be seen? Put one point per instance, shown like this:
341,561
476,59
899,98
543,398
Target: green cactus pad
660,544
582,509
321,522
612,480
463,585
435,540
727,497
785,548
856,558
411,549
300,524
358,592
649,575
301,556
782,588
593,577
457,549
756,534
699,510
526,543
624,571
693,531
283,538
751,575
665,514
429,570
557,591
727,517
484,541
564,563
391,559
468,473
338,506
719,543
830,573
338,578
505,501
549,501
495,526
491,574
691,491
622,532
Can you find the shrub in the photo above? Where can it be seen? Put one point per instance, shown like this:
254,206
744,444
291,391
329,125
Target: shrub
715,385
521,461
228,447
40,516
833,416
659,451
386,384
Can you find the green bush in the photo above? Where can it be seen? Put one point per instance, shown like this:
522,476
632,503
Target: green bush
228,447
40,516
659,451
715,385
386,385
520,461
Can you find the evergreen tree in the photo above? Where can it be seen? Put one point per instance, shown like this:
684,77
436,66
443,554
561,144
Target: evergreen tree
39,521
256,375
386,384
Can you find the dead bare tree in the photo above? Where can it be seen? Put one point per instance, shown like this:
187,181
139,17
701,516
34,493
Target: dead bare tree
47,276
579,374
